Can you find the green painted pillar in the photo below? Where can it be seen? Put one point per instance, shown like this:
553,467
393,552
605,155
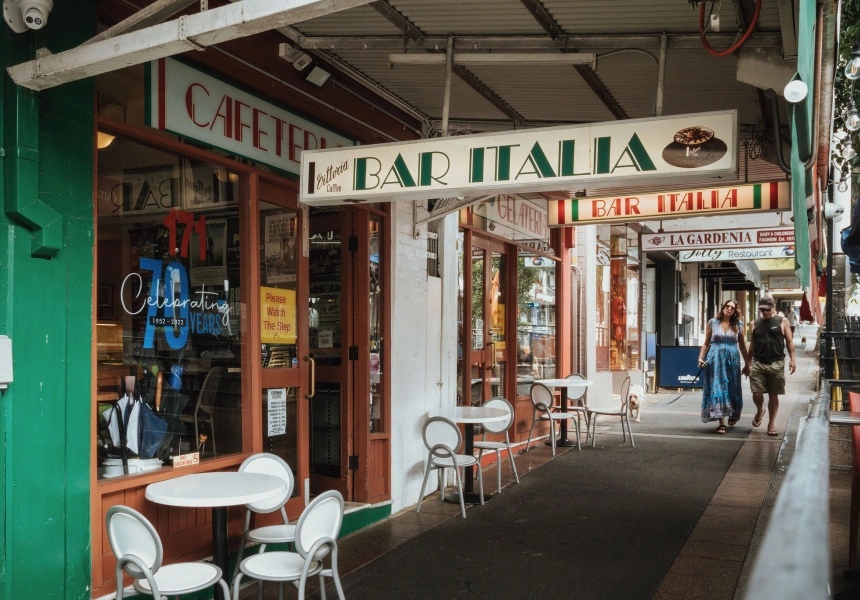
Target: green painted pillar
46,283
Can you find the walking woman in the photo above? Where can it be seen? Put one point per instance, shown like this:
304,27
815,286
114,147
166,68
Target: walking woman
721,392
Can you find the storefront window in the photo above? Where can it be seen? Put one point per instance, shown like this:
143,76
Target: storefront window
618,300
536,297
602,302
169,339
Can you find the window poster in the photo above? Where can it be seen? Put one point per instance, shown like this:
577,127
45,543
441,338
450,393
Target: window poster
152,190
277,412
208,186
280,245
211,269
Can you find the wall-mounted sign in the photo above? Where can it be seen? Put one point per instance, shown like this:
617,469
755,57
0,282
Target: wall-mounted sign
509,217
277,316
670,205
783,282
686,147
688,256
190,103
671,241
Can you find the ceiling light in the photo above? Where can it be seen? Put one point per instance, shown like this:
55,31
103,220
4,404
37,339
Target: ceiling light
852,69
317,76
497,58
852,119
103,140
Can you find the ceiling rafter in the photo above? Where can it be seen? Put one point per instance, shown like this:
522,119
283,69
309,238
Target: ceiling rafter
153,14
398,20
546,20
416,35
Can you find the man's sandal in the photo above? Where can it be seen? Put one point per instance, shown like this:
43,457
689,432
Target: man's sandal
757,423
732,422
773,433
721,429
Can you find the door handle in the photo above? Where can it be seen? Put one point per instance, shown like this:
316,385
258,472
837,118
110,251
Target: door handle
492,346
313,377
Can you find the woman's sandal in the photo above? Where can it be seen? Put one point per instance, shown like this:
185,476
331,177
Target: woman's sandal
721,429
772,433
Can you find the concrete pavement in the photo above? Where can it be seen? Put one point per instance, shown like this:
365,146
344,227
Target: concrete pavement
674,517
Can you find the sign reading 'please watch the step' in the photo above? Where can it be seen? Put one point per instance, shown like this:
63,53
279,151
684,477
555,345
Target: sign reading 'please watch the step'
697,147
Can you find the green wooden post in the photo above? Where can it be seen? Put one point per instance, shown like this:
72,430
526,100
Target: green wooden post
46,270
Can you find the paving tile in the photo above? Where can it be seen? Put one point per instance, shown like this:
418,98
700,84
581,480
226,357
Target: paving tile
716,550
708,586
733,512
714,568
721,535
432,504
751,500
422,518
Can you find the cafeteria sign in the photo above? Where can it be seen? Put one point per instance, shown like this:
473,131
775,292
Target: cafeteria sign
672,241
663,150
190,103
689,256
668,205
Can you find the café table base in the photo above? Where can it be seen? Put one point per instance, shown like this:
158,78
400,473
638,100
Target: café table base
562,444
219,545
468,497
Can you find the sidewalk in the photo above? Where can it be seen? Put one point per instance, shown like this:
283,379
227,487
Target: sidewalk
674,517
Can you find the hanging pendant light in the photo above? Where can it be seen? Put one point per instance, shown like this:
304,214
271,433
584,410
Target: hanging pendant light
852,69
852,119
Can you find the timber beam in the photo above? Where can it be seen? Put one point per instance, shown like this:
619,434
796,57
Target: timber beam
222,24
153,14
398,20
649,42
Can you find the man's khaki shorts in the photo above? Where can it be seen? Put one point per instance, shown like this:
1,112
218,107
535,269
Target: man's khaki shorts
769,379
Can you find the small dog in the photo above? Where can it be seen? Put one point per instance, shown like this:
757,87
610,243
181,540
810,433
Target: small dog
634,402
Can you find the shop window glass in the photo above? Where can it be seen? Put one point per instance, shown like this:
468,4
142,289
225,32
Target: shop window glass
602,301
536,319
278,259
634,277
169,338
377,296
280,434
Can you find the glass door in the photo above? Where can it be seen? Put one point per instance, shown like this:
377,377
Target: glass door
285,375
487,297
329,334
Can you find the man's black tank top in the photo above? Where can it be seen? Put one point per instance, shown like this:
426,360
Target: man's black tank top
769,341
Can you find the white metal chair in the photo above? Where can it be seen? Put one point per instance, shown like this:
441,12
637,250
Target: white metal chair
622,412
578,396
498,427
316,538
443,440
138,550
543,402
267,464
205,404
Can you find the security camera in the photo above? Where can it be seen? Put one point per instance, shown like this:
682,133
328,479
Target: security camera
21,15
833,211
36,12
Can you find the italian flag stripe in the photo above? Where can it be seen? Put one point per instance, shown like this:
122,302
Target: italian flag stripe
559,207
774,194
574,209
756,196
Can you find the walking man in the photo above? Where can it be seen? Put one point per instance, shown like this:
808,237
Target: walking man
792,319
770,337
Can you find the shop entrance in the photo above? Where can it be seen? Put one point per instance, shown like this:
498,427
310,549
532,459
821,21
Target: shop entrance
487,271
347,427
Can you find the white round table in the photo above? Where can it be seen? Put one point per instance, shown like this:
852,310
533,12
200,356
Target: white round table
564,385
216,491
469,415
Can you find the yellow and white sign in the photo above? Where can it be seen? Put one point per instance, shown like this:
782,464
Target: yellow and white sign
277,316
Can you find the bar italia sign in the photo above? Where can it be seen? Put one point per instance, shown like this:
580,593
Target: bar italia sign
187,102
693,147
667,205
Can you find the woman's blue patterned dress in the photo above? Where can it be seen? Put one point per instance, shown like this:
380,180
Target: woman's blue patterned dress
721,392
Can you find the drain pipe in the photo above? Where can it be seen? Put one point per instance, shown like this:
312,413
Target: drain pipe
20,171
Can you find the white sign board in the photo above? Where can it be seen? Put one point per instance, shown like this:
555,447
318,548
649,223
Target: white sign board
188,102
694,202
277,411
667,149
688,256
325,338
783,282
510,217
672,241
